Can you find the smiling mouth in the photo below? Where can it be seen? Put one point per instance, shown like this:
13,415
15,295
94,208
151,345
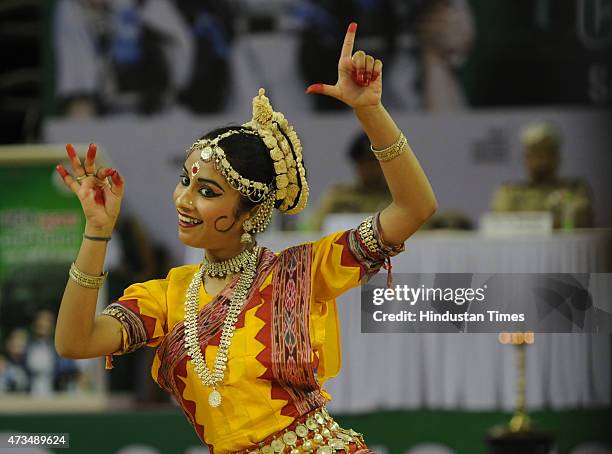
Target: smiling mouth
186,221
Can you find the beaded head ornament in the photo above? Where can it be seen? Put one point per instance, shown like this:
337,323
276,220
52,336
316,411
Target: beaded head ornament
289,190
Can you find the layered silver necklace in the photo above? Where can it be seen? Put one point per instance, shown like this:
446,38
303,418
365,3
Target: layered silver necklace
244,263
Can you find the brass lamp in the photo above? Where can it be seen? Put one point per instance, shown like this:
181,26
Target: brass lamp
520,420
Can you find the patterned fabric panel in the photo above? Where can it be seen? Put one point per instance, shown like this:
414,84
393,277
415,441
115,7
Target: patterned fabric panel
289,343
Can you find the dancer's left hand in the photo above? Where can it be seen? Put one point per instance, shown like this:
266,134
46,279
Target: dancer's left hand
359,82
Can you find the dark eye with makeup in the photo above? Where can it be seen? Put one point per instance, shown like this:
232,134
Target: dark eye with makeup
205,190
209,193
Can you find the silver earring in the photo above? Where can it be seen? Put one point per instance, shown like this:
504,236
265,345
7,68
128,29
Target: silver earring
246,237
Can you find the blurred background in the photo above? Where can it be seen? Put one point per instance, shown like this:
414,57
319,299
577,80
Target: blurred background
506,104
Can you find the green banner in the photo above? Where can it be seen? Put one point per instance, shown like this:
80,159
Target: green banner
41,220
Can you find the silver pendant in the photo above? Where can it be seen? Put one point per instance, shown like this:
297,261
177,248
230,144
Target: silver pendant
214,398
206,154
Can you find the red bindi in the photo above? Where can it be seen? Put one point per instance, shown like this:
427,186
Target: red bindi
195,168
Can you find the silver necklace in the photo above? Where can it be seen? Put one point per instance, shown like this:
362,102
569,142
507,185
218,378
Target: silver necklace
192,345
226,267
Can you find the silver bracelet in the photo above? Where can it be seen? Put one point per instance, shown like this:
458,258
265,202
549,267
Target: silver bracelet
392,151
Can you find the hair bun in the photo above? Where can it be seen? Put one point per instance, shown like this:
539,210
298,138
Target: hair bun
286,152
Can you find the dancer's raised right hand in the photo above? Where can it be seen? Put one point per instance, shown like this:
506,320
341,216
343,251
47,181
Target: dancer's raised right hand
99,197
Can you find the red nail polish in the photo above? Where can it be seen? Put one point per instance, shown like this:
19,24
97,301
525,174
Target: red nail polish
360,77
364,79
352,27
91,152
368,77
374,76
116,178
315,88
61,170
71,151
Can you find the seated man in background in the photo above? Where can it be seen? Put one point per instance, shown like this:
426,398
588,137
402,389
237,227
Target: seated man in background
367,194
569,200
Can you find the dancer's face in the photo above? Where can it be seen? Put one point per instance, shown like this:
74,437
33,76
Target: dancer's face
204,196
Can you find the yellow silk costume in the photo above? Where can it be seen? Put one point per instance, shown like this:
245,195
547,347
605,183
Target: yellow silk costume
285,346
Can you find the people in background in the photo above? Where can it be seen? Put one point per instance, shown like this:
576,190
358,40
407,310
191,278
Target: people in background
4,377
211,25
367,194
14,375
445,32
324,25
31,364
40,355
116,56
568,199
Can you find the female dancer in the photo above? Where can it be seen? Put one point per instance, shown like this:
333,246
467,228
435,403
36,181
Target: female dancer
246,339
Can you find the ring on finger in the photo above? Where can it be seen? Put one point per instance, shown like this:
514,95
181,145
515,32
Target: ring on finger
82,177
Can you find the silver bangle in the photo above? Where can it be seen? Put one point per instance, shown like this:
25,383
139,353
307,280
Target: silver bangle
392,151
86,280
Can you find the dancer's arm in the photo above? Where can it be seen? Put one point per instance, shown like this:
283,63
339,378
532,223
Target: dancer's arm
359,85
79,333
